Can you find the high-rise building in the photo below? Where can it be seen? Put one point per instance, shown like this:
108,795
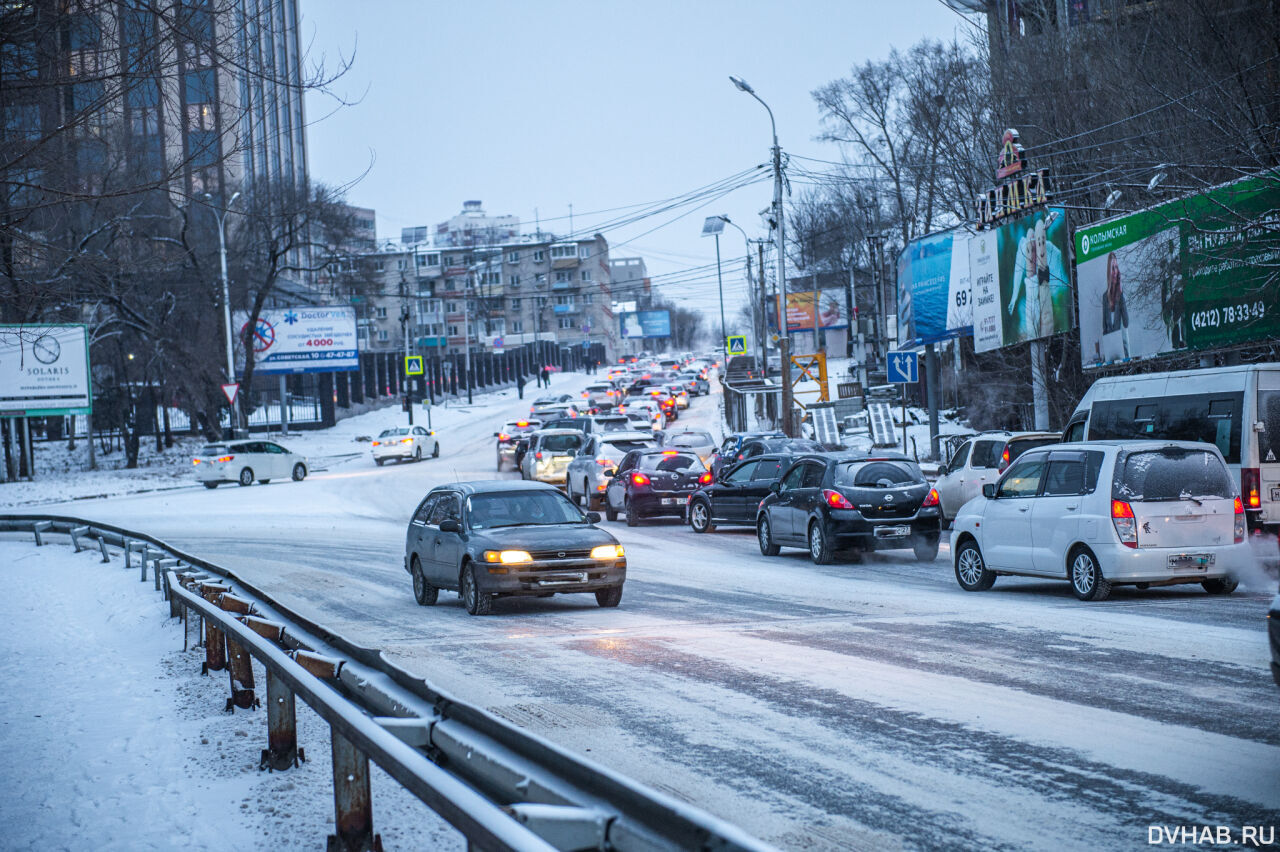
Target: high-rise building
473,228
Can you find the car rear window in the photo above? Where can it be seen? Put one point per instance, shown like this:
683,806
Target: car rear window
625,446
691,439
676,462
1018,446
1171,474
213,450
986,454
613,424
878,474
560,443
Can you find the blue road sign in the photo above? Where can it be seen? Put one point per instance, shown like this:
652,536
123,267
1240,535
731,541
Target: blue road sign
903,368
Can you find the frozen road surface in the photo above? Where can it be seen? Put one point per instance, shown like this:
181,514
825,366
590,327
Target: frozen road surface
857,705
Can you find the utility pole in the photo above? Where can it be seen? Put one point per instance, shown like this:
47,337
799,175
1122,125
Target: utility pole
762,301
404,327
724,334
466,328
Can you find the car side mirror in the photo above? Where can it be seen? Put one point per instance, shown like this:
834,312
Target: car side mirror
989,490
496,434
450,526
943,470
593,517
775,487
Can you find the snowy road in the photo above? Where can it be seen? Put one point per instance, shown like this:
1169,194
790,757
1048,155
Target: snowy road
820,707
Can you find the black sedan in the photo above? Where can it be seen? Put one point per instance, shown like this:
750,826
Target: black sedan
487,540
831,502
653,483
735,498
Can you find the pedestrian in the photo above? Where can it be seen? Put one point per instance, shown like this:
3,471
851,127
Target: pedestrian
546,377
520,384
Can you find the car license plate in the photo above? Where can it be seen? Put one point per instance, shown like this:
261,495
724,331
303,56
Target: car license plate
1198,561
892,532
669,501
1275,494
563,579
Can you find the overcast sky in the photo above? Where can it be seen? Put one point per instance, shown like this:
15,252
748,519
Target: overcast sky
602,105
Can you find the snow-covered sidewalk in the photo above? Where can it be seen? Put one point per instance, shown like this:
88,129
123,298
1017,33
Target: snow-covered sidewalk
114,740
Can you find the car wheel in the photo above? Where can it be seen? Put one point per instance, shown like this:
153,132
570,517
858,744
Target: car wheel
926,547
423,592
819,548
299,472
700,516
417,454
1220,586
379,462
435,451
211,485
476,602
609,597
764,536
246,476
1086,577
609,513
633,519
971,570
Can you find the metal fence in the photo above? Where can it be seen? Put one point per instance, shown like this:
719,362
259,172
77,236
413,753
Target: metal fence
503,788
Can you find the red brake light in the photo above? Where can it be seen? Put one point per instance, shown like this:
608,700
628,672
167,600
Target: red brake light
931,499
671,452
197,461
1239,507
1121,509
522,423
605,462
706,478
639,479
226,458
502,436
1124,522
1240,526
835,499
1004,459
1251,486
538,455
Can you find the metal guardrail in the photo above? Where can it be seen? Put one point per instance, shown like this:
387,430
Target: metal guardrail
502,787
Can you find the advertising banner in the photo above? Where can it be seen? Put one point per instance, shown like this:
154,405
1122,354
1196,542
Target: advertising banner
645,323
305,339
1021,288
935,298
1195,273
44,369
830,310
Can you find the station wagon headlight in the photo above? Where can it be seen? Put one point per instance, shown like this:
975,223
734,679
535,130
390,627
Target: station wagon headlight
608,551
507,557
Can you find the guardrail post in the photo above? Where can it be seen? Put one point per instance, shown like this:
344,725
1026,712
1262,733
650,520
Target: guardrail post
192,622
130,548
239,665
215,651
102,546
352,800
161,567
282,750
76,532
38,528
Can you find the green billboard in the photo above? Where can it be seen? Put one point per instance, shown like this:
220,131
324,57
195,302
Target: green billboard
1198,273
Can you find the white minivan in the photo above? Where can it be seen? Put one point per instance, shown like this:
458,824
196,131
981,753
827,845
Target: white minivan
1107,513
1237,409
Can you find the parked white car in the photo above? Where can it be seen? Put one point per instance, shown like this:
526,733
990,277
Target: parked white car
1106,513
246,462
980,460
405,443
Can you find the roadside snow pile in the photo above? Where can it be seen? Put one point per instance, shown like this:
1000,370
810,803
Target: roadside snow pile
121,744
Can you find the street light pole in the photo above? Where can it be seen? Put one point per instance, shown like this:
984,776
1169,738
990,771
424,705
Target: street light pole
226,301
784,341
724,334
755,329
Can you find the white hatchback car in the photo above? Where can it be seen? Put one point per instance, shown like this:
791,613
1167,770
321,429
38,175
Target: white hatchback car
405,443
247,461
1106,513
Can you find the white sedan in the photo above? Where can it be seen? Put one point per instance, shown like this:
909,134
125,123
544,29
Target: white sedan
404,443
246,462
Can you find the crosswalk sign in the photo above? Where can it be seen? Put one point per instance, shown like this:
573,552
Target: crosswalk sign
413,365
737,344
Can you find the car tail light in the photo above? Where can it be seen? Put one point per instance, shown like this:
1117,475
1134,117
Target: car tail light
930,499
1251,486
671,452
226,458
538,455
377,443
1240,525
522,423
502,436
584,394
1004,460
1123,520
197,461
639,479
835,499
706,478
406,440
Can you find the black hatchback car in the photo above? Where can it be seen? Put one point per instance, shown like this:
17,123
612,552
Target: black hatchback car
653,483
501,538
734,499
833,502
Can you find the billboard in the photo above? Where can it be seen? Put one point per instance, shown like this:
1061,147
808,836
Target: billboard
1195,273
935,299
44,369
1021,288
830,310
645,323
304,339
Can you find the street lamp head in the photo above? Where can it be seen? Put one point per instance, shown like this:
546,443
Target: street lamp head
742,85
233,198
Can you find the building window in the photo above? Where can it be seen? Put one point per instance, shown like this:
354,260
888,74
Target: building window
453,331
498,326
563,252
401,264
515,304
562,277
492,279
379,265
565,322
584,252
542,301
539,256
382,313
450,307
448,260
540,279
564,300
433,259
382,334
517,327
585,275
513,257
588,298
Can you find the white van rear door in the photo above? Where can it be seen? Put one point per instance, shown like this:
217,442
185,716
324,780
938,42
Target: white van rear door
1268,443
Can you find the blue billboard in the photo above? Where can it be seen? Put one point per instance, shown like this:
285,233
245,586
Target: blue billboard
645,323
934,294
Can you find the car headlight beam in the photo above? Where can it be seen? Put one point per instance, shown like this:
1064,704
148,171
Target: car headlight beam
608,551
507,557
